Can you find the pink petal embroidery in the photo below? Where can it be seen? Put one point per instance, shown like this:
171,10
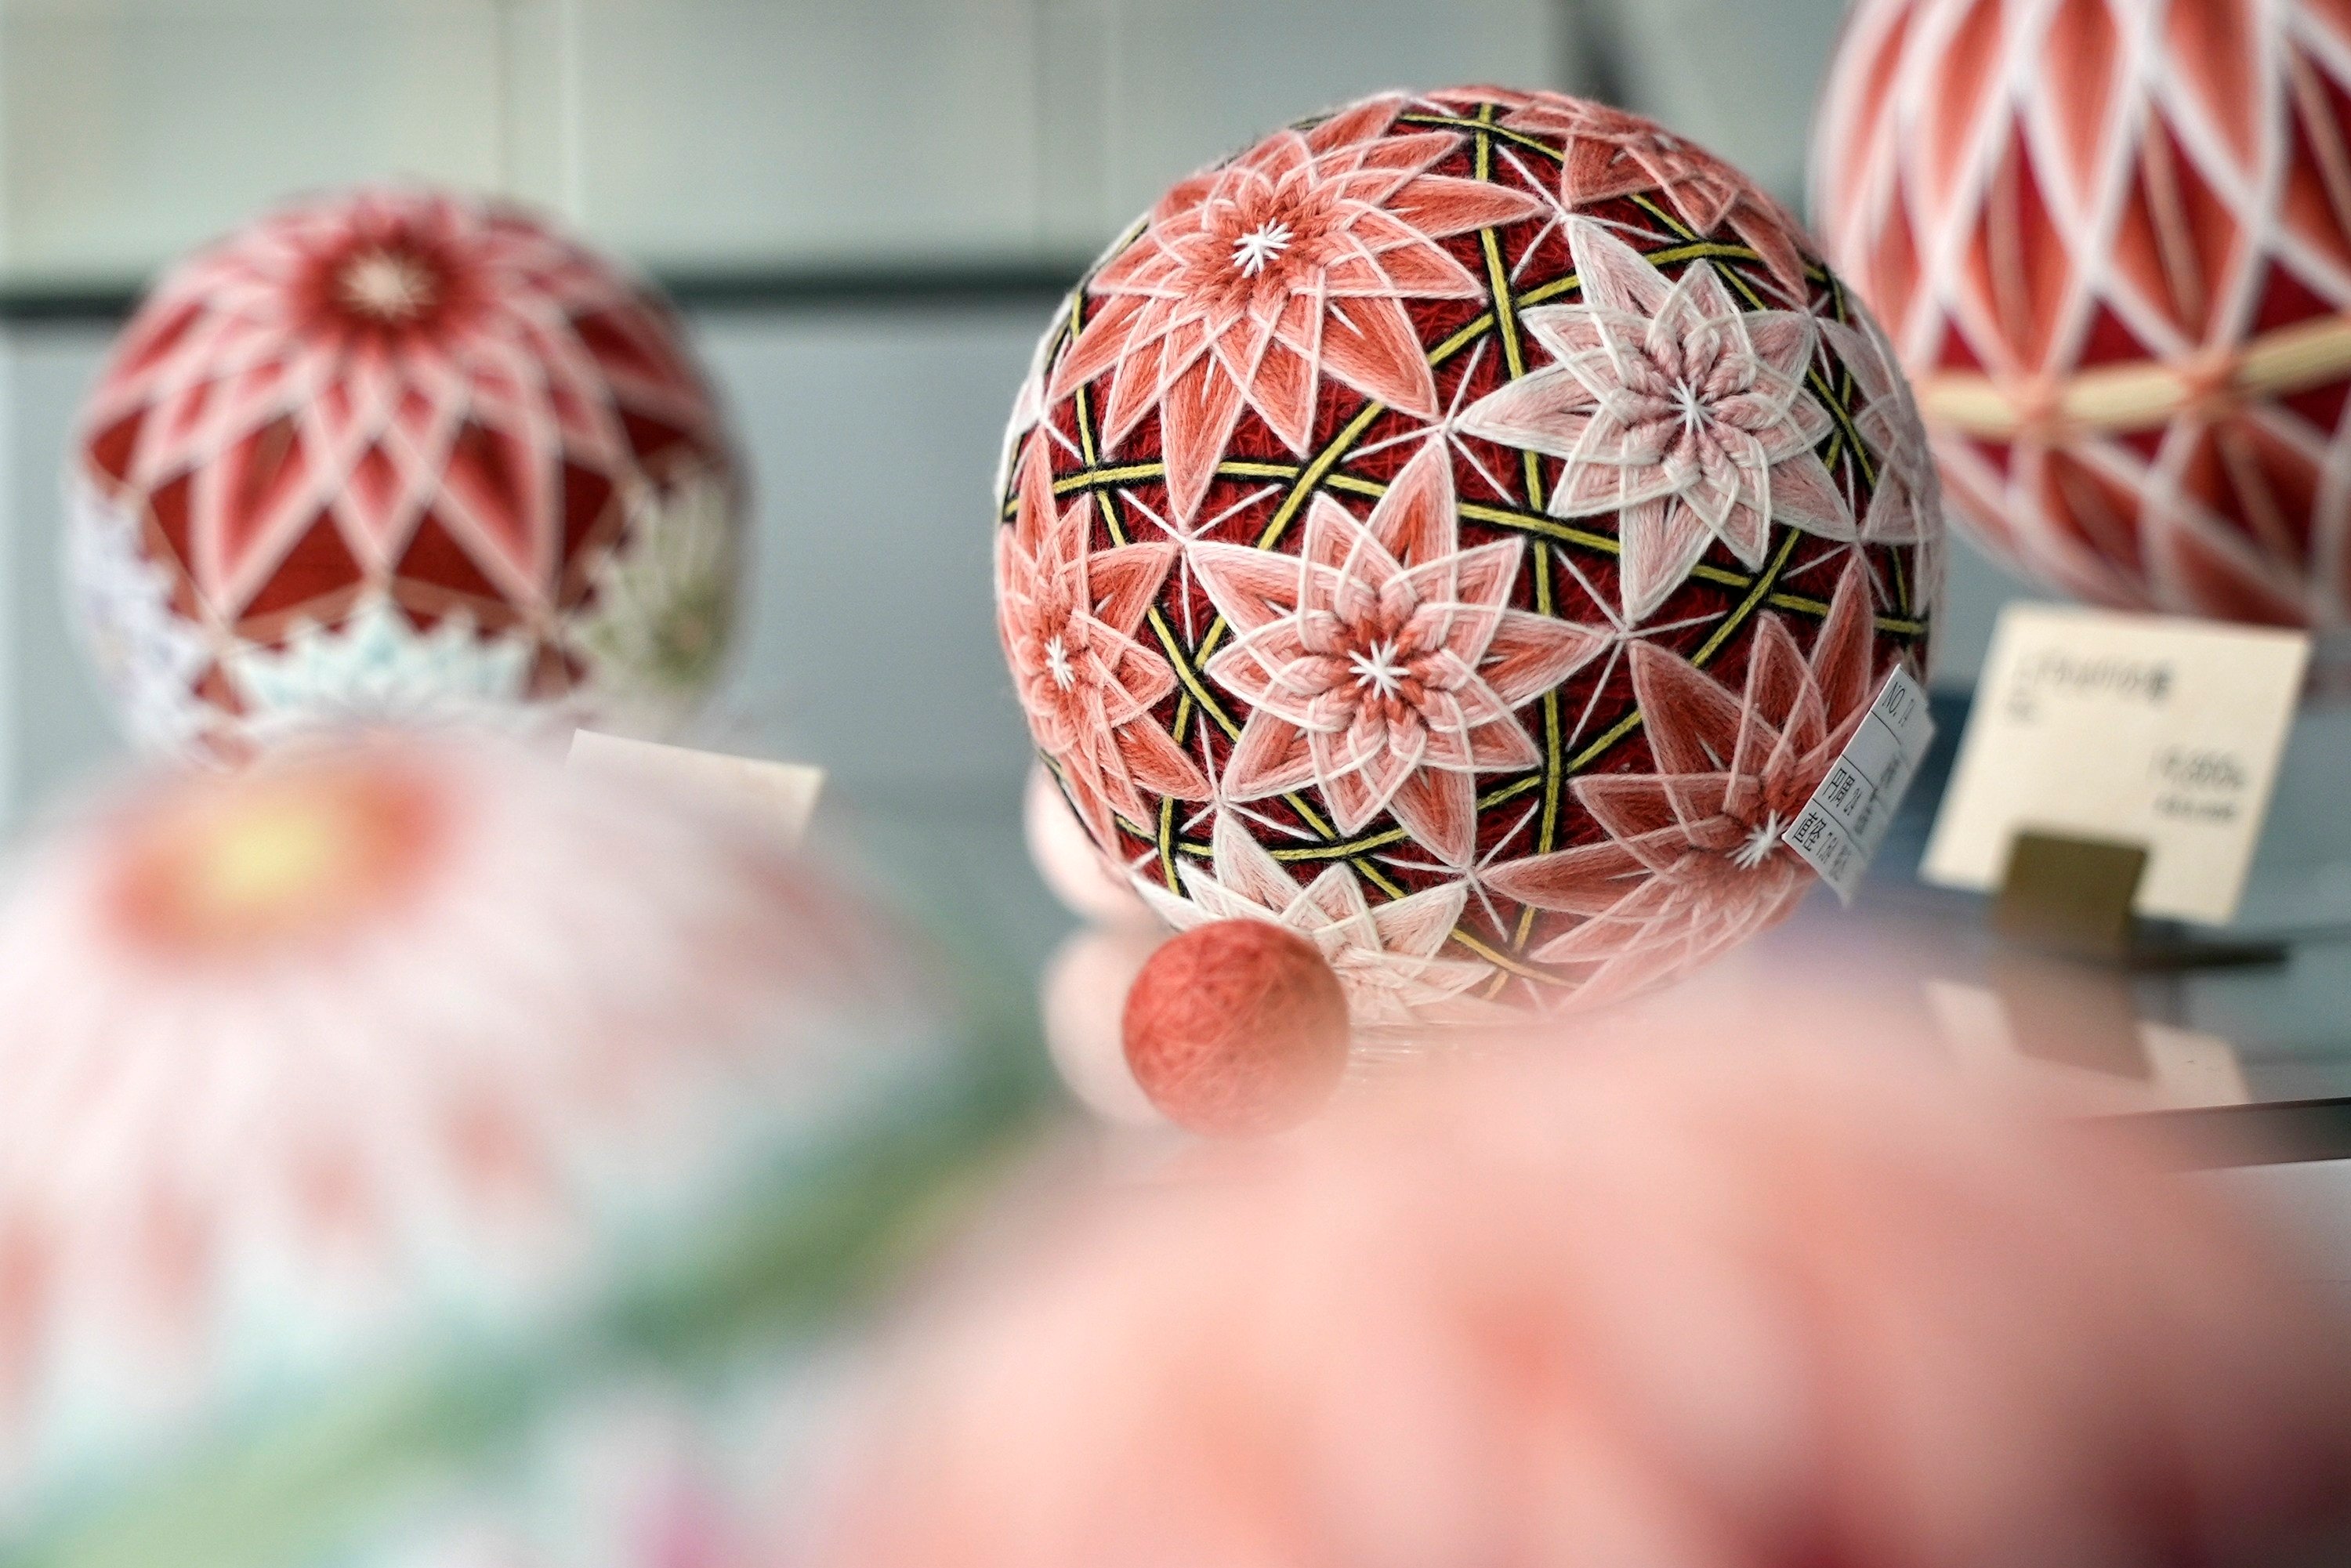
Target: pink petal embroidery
1674,409
1695,859
1386,686
1067,619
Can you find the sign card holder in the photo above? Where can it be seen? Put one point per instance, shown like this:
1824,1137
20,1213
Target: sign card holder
2117,769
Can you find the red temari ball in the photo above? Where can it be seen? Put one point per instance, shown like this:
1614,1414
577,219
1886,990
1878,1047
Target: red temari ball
401,454
1464,528
2113,243
1236,1027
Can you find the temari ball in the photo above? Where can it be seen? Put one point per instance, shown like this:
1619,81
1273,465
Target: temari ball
2112,241
401,454
360,1052
1464,528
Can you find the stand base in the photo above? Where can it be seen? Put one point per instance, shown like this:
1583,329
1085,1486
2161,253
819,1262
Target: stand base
2072,897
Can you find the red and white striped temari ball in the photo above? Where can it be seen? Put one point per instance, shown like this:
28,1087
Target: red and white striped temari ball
2111,239
400,454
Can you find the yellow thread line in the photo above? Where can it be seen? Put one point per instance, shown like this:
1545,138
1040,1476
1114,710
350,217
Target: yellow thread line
1738,618
1350,848
1488,125
2282,361
1514,364
1093,478
1313,473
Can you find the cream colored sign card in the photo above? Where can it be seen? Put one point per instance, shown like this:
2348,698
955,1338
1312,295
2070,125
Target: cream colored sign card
783,793
2133,728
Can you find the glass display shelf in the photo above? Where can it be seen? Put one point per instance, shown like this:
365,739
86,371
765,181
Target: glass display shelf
2255,1056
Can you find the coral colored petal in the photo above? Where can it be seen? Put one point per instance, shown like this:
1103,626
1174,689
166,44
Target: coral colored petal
1439,205
1099,347
1196,419
1439,808
1250,588
1369,344
1589,880
1126,579
1691,721
1530,654
1414,520
1158,764
1271,758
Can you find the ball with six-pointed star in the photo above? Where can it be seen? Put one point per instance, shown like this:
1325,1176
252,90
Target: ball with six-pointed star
1462,528
399,454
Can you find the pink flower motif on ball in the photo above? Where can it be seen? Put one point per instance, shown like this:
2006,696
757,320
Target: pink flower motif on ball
1610,154
1068,618
1674,409
1254,280
1383,663
1695,858
354,1047
1388,956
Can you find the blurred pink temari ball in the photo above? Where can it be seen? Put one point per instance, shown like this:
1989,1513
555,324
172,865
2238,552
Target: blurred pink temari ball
359,1047
2112,240
399,454
1663,1307
1465,529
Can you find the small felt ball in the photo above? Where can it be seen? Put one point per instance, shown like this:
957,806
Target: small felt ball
1083,1000
1237,1028
1068,863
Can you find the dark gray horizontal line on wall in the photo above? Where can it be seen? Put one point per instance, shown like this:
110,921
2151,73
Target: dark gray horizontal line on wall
881,286
2280,1132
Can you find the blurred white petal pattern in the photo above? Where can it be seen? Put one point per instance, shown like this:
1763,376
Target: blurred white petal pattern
370,1049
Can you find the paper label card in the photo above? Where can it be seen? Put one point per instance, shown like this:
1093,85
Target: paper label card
782,793
2138,729
1840,829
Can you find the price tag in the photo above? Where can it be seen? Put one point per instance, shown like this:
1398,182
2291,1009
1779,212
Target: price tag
1841,828
783,793
2135,729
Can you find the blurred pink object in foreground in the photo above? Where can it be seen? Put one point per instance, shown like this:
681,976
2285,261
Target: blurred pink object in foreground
1081,999
1069,866
1675,1308
362,1045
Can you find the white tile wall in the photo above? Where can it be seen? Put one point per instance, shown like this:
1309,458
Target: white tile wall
691,133
131,129
744,131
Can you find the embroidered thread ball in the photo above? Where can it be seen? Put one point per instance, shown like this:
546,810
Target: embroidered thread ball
2113,244
1463,529
1236,1027
318,1058
400,454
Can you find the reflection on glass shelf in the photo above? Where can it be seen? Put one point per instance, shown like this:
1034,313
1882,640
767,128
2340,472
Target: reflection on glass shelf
1908,964
2076,1024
